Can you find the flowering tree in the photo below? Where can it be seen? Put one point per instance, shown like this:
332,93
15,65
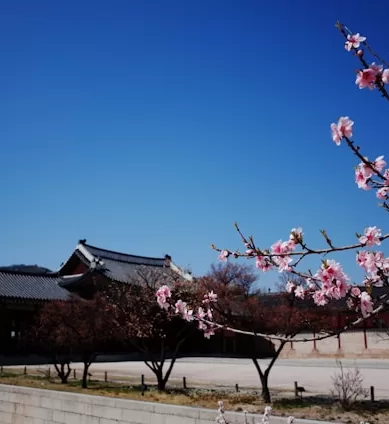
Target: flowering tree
157,333
270,313
330,282
78,327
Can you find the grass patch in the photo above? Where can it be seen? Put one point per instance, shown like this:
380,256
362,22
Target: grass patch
313,407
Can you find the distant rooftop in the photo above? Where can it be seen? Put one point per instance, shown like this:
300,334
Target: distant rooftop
116,265
31,285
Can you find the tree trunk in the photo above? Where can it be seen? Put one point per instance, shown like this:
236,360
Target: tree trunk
62,373
85,375
265,387
161,382
264,377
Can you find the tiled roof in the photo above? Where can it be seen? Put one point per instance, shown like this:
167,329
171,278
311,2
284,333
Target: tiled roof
23,285
117,266
124,257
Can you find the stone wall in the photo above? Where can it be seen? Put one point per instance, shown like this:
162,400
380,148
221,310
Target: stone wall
350,344
22,405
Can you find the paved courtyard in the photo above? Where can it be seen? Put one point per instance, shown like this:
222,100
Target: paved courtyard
314,374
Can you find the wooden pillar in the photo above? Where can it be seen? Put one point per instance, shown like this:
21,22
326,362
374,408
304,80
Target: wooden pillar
364,335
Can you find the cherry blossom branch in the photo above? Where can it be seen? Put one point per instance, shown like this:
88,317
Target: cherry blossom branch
373,75
346,32
309,251
353,324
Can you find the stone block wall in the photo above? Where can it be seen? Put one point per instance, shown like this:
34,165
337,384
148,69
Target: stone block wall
23,405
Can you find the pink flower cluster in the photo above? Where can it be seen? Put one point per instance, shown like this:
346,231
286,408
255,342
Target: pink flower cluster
344,128
333,282
372,76
279,253
203,315
371,236
163,294
354,41
364,171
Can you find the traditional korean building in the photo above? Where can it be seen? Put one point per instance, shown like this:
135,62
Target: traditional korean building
88,270
96,267
21,295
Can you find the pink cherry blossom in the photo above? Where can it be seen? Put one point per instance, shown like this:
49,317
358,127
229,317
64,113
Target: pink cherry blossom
354,41
210,297
280,248
366,304
382,193
331,270
371,237
262,263
379,164
385,76
208,332
299,292
296,235
355,291
344,128
361,179
366,78
319,298
290,286
224,254
283,263
376,68
180,306
337,290
163,293
369,261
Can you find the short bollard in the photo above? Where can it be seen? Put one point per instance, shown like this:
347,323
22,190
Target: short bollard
237,388
25,370
372,393
143,380
74,374
184,382
105,376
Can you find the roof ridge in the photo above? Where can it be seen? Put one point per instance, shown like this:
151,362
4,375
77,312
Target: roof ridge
124,254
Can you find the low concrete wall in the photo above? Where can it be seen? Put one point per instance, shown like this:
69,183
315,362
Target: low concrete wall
22,405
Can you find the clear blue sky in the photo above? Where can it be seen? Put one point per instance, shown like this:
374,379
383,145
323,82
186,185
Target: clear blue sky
151,126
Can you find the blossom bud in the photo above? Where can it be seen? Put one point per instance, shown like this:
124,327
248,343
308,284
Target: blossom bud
360,53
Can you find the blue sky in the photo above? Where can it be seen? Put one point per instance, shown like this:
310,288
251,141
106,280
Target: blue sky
151,126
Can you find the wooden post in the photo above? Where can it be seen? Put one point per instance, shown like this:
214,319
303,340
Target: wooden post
105,376
237,387
143,380
49,372
25,371
365,335
296,392
1,369
339,343
314,341
184,382
372,393
74,374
